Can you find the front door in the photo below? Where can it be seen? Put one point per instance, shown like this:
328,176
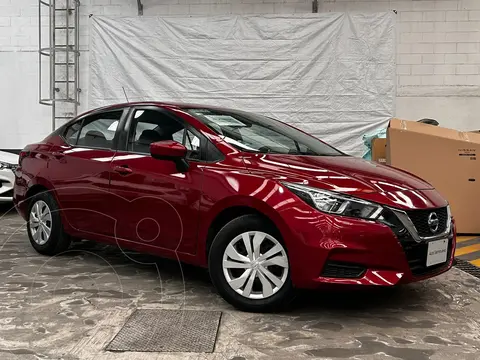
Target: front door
80,172
156,205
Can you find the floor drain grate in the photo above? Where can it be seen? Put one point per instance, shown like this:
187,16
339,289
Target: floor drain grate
152,330
467,267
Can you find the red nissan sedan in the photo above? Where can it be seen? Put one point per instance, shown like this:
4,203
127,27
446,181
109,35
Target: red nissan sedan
266,207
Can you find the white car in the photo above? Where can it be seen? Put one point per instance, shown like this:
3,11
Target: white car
8,162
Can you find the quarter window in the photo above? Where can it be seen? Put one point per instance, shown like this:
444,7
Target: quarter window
71,134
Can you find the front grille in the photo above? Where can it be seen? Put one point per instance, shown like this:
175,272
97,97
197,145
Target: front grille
416,253
419,219
342,270
417,257
393,222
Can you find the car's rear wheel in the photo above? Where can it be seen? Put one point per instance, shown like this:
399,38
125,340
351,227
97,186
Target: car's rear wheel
44,226
249,265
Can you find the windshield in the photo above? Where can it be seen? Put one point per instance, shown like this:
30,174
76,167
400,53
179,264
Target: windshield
257,133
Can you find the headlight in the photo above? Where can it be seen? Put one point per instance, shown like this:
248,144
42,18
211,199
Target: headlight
4,165
334,203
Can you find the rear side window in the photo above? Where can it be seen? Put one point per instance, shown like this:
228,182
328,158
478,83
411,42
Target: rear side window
97,131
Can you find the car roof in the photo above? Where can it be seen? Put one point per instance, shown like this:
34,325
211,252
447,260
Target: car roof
156,103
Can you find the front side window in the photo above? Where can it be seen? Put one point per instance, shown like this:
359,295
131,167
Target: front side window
95,131
188,139
192,143
150,126
256,133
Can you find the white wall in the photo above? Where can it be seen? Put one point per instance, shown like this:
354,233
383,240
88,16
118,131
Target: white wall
23,119
438,54
438,57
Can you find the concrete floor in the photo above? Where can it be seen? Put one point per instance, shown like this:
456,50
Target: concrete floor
71,306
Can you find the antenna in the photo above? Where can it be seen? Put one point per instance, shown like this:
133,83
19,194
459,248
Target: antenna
125,93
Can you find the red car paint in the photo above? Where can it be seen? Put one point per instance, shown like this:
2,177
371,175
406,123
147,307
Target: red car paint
168,148
153,208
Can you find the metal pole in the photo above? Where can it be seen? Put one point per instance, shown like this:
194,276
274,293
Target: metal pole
52,66
40,51
67,50
77,55
50,45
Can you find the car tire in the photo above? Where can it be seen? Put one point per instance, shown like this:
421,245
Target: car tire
44,226
229,248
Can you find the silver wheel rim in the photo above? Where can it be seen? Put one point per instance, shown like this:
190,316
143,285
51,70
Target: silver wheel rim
255,265
40,222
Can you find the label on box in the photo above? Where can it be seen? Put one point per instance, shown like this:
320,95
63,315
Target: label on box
469,153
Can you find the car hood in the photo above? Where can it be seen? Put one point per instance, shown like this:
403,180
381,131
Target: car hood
351,175
8,158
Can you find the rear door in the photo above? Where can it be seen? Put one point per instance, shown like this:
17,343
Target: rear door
155,204
80,171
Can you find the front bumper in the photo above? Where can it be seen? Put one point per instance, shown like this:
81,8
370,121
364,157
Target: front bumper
373,249
404,275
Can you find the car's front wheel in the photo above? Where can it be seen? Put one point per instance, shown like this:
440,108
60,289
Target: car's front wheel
248,264
44,226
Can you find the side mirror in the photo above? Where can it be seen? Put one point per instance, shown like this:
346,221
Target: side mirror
170,150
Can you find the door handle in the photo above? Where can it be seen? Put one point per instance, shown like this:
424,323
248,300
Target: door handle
58,155
122,169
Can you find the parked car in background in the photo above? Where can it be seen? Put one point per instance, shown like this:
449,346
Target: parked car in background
8,162
264,206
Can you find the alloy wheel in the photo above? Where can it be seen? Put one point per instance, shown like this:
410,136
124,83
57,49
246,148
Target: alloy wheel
40,222
255,265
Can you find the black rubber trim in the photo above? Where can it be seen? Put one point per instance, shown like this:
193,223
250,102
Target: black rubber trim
341,270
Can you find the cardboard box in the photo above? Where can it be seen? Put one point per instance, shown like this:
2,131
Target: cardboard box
379,150
447,159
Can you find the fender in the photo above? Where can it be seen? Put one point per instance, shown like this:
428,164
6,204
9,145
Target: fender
265,207
21,198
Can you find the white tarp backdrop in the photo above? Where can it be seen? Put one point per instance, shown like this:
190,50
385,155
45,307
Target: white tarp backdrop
332,74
